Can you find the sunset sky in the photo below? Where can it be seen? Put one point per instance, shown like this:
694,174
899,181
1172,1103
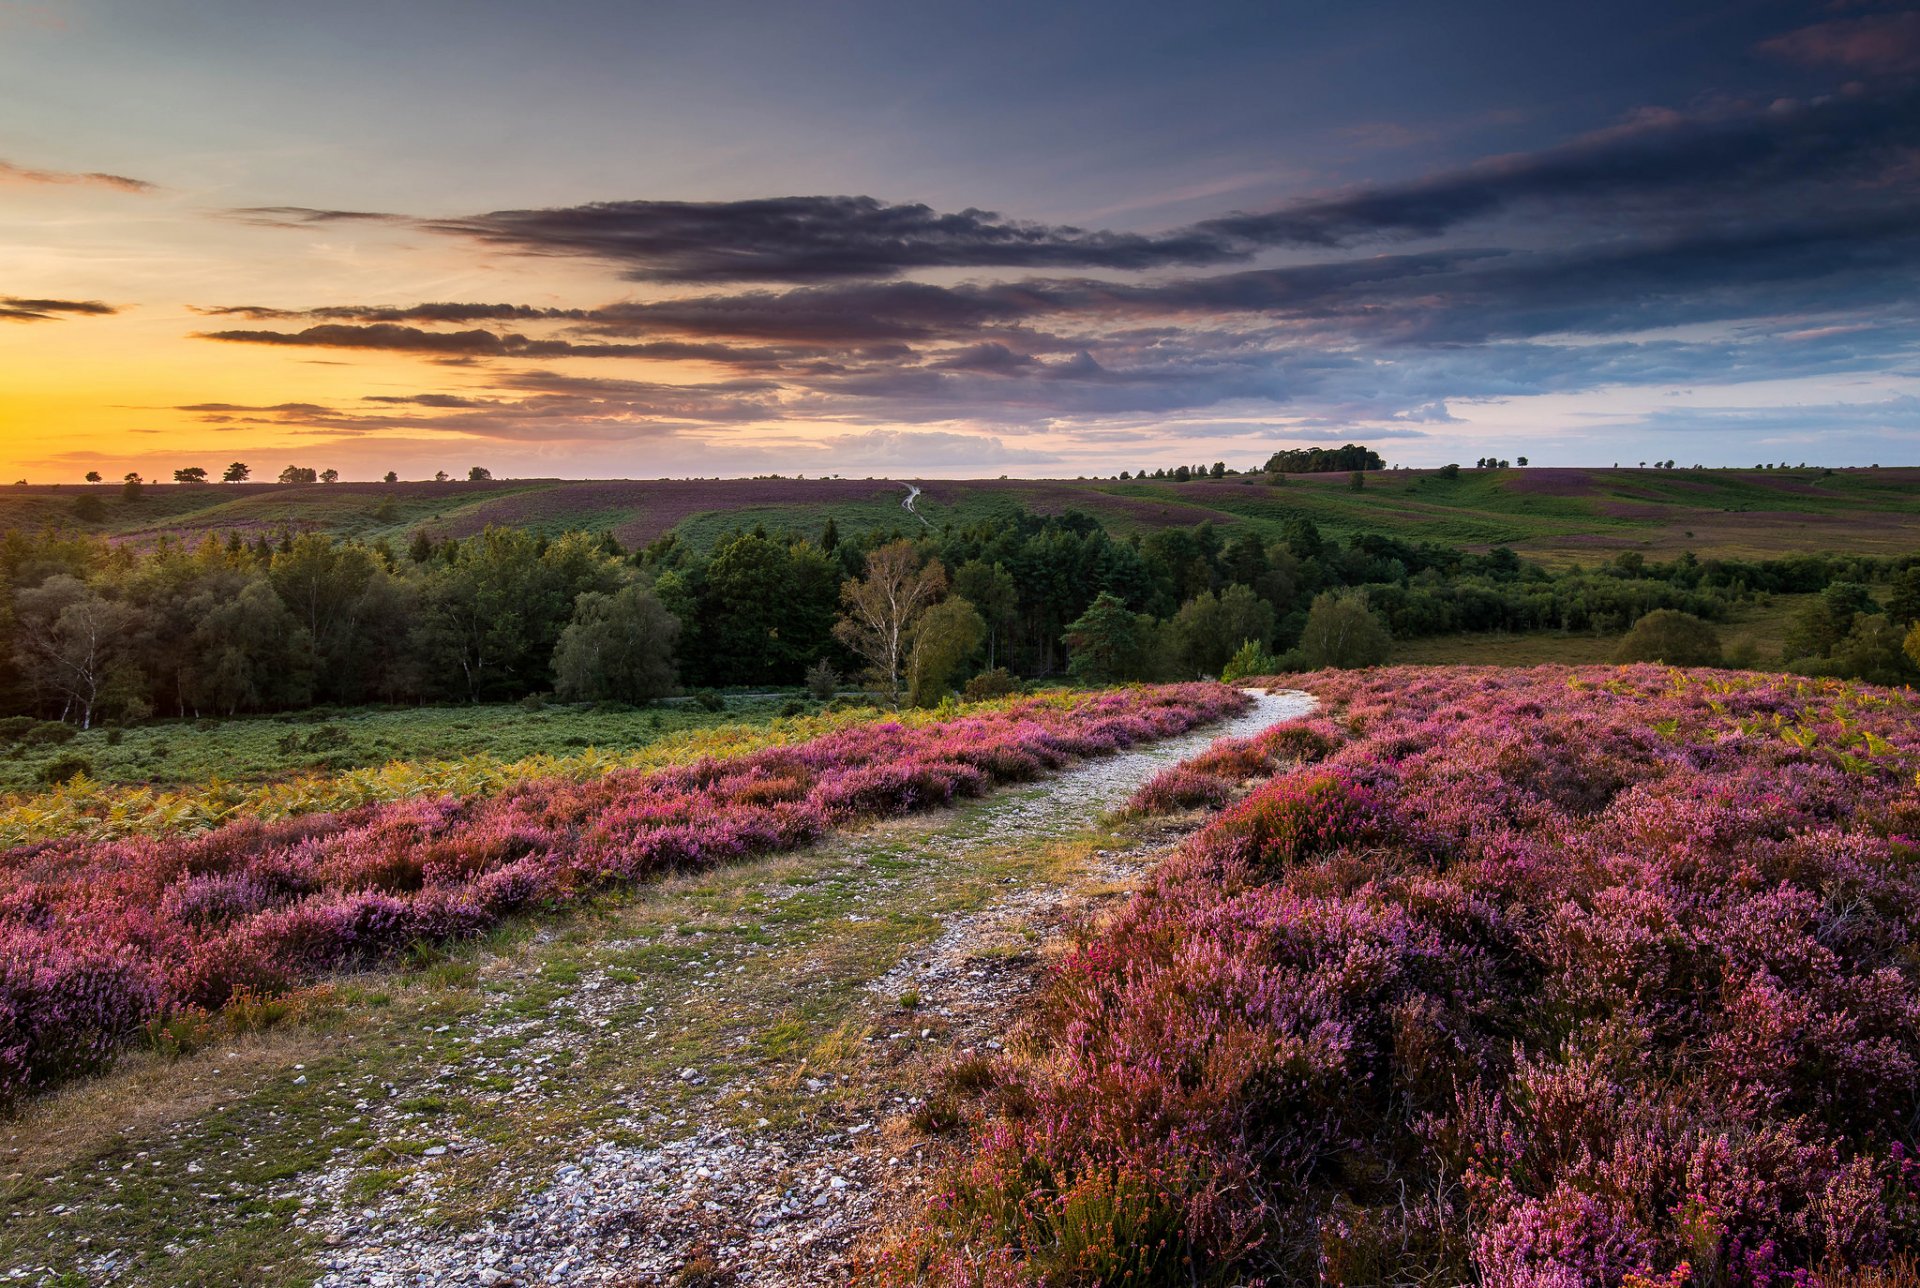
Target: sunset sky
651,239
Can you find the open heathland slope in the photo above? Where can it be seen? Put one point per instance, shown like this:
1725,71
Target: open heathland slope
1550,977
1570,514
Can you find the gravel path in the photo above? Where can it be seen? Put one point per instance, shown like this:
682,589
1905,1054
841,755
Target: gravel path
716,1203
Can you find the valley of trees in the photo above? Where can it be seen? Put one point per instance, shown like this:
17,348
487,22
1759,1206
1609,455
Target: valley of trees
91,630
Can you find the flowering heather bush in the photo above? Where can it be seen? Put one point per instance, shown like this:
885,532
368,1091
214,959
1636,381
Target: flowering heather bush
104,810
1212,777
1534,979
98,938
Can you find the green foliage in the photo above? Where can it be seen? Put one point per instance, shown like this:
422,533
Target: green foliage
1670,637
822,680
1249,659
1324,460
1343,631
66,768
944,636
998,682
1108,643
1204,630
708,700
617,646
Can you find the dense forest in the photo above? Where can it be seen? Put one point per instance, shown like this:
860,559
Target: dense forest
91,630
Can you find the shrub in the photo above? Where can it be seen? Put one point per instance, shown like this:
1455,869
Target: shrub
995,683
48,733
1671,637
65,768
822,680
1541,978
708,700
1251,659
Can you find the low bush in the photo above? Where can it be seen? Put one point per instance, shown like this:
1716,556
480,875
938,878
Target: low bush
1529,979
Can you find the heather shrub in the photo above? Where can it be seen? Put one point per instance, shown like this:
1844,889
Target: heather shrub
100,938
1544,978
1179,788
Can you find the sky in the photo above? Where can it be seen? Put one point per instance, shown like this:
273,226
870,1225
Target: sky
642,240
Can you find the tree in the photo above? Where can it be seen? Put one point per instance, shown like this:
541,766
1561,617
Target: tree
1873,651
1818,627
392,477
250,652
991,590
1671,637
479,474
947,634
1324,460
1903,601
1450,471
1356,482
236,473
1343,631
72,643
829,536
439,476
1521,461
329,476
89,508
617,646
93,476
882,607
130,488
1108,642
1208,628
191,474
299,474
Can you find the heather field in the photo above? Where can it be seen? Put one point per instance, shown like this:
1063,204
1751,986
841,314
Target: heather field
1551,977
107,937
177,776
1562,515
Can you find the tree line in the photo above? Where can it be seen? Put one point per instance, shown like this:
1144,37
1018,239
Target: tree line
91,629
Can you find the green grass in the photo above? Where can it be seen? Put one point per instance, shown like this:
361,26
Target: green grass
250,749
1754,636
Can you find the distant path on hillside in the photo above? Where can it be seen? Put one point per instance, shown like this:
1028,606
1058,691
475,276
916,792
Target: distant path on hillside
913,494
703,1101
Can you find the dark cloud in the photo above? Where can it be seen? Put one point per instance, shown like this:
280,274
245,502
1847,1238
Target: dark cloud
15,309
393,337
804,239
1663,164
11,173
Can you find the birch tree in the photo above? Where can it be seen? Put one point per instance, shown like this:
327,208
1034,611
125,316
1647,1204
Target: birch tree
882,607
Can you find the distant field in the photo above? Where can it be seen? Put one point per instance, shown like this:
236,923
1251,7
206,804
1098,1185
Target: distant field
1755,635
1560,515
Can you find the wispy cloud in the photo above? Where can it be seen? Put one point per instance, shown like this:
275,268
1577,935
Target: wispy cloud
15,309
20,174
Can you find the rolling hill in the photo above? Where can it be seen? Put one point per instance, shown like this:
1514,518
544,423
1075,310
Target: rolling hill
1560,515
